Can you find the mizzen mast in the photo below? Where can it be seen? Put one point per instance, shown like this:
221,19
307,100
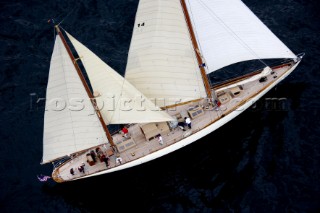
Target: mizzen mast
93,101
196,47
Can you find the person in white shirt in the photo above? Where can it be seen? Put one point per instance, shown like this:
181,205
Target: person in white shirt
188,122
119,160
160,139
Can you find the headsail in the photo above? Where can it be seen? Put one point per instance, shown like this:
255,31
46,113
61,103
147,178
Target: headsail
228,32
70,122
161,60
119,101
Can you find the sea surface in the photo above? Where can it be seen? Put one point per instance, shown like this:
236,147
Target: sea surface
265,160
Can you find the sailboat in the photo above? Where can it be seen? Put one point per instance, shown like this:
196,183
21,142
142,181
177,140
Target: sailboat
165,100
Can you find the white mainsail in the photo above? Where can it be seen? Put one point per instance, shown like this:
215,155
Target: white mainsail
161,61
70,122
228,32
119,101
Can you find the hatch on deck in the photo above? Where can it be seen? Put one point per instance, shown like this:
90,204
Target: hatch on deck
235,91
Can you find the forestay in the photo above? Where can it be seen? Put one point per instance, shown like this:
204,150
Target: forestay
70,122
119,101
228,32
161,61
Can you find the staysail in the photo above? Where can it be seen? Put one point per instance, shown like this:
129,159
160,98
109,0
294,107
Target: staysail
228,32
70,122
118,100
161,61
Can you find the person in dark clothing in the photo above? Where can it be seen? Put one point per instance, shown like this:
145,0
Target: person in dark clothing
81,169
106,160
181,125
72,171
93,155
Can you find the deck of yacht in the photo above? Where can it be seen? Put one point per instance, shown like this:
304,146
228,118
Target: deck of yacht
137,145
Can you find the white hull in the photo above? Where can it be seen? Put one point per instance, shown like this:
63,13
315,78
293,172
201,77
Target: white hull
192,138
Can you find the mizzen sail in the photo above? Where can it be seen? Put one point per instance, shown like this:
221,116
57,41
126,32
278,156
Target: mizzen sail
228,32
119,101
70,122
161,61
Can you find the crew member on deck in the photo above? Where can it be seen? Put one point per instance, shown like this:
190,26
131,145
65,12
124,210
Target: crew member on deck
81,168
106,160
119,160
181,125
188,122
160,139
93,155
125,132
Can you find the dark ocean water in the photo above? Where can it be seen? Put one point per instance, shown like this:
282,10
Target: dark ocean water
263,161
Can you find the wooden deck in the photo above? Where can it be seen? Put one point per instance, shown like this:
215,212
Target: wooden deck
137,146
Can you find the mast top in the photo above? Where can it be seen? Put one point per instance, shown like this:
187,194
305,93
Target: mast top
57,28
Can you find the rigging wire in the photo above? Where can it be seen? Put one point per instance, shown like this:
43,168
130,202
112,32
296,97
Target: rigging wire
196,32
67,15
197,52
54,35
231,31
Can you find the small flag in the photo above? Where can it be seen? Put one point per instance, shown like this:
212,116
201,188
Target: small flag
43,178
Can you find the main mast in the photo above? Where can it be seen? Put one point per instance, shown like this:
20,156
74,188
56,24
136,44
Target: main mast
93,101
195,46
